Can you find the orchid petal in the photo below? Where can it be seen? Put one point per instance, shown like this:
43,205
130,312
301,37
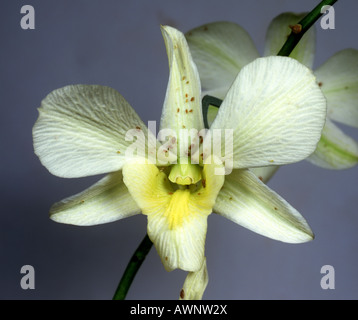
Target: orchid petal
81,131
335,150
338,78
276,111
177,219
277,34
220,50
106,201
195,284
182,105
245,200
265,173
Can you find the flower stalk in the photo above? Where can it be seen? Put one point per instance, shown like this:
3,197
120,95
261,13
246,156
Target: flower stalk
303,26
132,268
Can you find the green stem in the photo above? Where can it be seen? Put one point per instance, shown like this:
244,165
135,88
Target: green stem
206,102
132,268
306,23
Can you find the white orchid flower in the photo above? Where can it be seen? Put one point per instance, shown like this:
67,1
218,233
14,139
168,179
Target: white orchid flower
222,49
274,108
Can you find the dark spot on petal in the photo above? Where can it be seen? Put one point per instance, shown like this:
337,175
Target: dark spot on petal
203,183
182,293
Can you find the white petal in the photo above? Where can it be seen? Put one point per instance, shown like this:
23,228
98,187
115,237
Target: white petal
276,111
245,200
182,105
335,150
195,284
265,173
278,32
220,50
106,201
81,130
338,78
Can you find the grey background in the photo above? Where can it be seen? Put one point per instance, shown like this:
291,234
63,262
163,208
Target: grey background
119,44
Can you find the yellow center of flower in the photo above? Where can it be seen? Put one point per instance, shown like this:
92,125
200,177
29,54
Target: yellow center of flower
177,204
177,209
